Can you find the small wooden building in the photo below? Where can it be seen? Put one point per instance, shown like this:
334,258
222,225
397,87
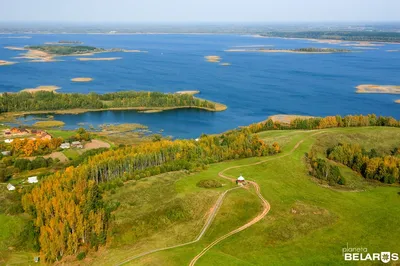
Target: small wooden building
240,180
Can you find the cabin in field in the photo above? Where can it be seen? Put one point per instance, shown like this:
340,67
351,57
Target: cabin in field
65,145
10,187
77,144
240,180
8,140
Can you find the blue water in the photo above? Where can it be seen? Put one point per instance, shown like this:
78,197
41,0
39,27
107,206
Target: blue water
255,86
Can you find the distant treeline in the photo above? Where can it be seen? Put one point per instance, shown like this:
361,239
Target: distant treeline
68,212
51,101
373,36
327,122
370,164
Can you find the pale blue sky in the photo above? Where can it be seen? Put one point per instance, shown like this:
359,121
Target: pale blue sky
199,10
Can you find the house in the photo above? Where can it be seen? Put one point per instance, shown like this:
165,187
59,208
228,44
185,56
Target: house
45,136
77,144
10,187
8,140
240,180
15,130
32,179
6,153
65,145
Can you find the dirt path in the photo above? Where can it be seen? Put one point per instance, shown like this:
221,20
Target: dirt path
264,202
217,205
209,220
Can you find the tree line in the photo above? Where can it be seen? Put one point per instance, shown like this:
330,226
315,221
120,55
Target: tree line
326,122
324,170
68,212
370,164
49,101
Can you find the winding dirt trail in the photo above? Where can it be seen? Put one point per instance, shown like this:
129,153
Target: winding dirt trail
265,203
217,205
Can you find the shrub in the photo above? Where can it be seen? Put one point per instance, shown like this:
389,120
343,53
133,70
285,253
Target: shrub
209,183
81,255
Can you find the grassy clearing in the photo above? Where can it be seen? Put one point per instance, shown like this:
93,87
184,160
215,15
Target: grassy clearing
65,134
71,154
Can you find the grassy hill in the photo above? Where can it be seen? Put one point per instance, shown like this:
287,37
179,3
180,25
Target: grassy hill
309,222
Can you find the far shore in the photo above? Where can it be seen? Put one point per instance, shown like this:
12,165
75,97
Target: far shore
99,58
276,51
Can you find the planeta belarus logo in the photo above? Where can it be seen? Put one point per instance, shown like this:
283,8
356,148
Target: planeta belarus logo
385,257
362,254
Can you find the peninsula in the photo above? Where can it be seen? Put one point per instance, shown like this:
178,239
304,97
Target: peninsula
45,100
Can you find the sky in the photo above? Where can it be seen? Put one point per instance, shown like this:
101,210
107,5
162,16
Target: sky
199,10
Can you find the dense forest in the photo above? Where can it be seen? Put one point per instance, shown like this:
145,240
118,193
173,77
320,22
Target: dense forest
327,122
50,101
371,165
67,209
66,49
324,170
373,36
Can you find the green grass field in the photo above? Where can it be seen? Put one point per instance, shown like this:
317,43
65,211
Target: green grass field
309,223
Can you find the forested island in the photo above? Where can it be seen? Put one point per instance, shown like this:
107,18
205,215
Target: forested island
66,49
307,50
40,101
370,36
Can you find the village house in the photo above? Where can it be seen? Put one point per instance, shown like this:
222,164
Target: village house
10,187
32,179
6,153
16,130
77,144
65,145
8,141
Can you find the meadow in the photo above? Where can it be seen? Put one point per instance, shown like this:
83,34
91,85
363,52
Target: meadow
309,222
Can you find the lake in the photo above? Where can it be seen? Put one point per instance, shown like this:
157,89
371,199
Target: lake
254,86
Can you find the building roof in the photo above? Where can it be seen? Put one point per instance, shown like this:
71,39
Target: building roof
240,178
32,179
10,187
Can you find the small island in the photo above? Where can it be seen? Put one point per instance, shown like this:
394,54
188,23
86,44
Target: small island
213,58
384,89
308,50
6,63
81,79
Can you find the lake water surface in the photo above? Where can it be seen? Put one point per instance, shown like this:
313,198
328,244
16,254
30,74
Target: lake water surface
253,87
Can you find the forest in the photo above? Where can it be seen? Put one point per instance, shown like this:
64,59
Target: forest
66,208
51,101
327,122
370,164
372,36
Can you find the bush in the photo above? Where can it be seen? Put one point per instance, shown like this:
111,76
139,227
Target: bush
209,183
81,255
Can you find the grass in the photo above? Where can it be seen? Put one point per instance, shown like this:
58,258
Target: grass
71,154
46,124
65,134
308,223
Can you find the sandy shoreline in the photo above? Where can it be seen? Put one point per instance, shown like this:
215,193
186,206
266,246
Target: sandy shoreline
188,92
287,119
6,63
372,88
276,51
50,88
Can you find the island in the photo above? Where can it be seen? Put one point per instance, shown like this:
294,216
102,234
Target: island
44,100
308,50
81,79
213,58
372,88
6,63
